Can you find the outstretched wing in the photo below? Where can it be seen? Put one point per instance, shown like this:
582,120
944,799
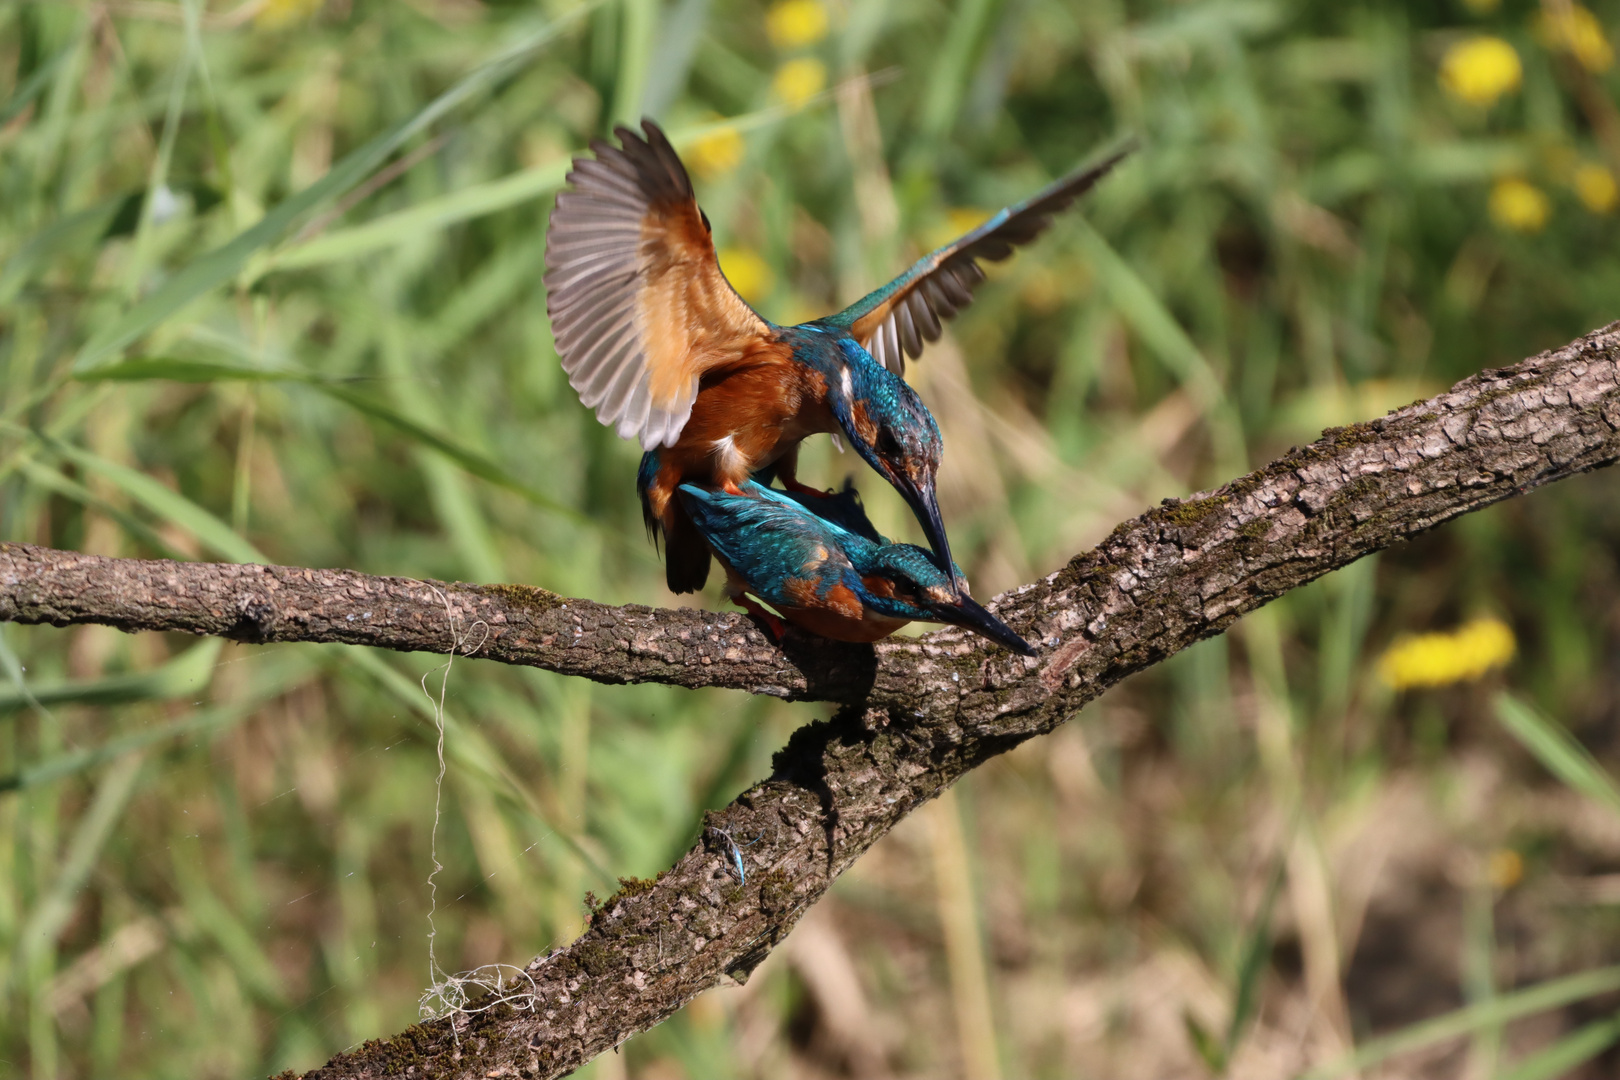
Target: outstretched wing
638,305
895,321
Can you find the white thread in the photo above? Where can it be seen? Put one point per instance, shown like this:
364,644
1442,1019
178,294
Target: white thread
450,990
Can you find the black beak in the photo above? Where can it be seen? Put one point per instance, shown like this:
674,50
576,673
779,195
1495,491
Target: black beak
969,613
925,505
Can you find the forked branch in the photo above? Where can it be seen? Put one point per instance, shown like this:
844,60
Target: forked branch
917,713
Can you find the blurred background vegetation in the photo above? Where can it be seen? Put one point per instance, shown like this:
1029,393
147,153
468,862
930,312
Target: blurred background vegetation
270,290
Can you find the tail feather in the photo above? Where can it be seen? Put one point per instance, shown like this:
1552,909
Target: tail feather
686,553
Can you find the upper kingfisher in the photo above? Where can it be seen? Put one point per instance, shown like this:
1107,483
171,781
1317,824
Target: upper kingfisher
658,343
846,583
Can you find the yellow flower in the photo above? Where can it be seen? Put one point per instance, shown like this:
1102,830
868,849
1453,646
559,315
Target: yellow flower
278,13
797,81
1576,29
793,24
717,153
1505,868
1596,188
1519,205
749,274
1440,659
1480,70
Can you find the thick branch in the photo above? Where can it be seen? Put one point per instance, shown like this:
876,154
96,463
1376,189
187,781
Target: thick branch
919,713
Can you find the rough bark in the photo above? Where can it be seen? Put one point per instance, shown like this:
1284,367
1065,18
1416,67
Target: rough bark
917,714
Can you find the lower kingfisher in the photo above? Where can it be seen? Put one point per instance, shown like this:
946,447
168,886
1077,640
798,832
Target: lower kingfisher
828,579
656,341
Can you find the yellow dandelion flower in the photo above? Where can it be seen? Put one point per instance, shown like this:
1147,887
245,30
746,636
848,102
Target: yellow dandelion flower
1596,188
1519,205
1504,869
797,81
749,274
1480,70
1576,30
276,14
1463,655
717,153
794,24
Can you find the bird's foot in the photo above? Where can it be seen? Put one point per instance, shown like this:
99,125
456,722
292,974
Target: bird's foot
772,623
805,489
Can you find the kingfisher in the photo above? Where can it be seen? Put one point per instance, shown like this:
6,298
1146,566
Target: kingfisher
824,577
657,342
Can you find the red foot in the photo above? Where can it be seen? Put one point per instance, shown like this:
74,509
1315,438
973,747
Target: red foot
805,489
772,623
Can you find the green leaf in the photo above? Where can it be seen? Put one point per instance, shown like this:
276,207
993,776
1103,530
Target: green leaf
204,371
206,721
46,477
1558,751
185,676
48,917
141,368
223,263
1256,955
1208,1046
31,87
1568,1053
476,200
75,232
169,505
1552,994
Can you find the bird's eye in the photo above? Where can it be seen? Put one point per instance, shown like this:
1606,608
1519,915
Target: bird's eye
887,444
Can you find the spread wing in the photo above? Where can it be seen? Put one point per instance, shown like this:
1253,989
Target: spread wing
897,320
638,305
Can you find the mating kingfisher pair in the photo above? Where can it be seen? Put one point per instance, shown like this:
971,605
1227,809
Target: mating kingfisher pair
656,341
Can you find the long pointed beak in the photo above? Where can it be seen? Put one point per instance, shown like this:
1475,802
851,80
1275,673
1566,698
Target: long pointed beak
925,505
969,613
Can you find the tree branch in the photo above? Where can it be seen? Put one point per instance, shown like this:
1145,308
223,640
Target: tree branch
917,714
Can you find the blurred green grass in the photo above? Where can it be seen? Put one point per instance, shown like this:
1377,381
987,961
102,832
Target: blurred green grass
270,288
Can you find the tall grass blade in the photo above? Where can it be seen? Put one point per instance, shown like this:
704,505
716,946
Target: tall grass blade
48,478
220,265
166,503
76,232
1543,997
47,918
1567,1054
1558,751
33,85
205,371
185,676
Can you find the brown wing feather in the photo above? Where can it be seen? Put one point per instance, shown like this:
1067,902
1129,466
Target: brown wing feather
901,318
638,305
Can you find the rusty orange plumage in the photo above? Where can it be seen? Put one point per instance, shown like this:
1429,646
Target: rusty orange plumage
657,342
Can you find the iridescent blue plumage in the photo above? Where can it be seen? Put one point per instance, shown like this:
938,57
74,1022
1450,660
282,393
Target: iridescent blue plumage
656,340
831,580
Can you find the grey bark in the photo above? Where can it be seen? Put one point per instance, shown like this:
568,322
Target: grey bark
916,714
